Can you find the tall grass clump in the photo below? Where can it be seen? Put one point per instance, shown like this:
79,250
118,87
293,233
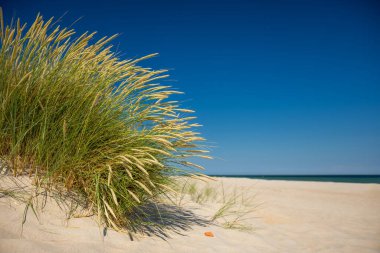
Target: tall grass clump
75,117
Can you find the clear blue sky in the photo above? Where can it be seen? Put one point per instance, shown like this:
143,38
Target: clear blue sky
281,87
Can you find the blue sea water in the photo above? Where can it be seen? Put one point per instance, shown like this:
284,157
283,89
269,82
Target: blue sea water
366,179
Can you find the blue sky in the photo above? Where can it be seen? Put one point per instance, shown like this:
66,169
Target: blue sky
281,87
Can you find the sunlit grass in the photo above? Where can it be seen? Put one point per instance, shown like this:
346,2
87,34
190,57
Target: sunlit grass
232,208
76,118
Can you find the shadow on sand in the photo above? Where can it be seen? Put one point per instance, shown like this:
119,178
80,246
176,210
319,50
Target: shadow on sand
151,219
162,219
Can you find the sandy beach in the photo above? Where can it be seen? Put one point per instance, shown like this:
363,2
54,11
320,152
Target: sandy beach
289,217
189,126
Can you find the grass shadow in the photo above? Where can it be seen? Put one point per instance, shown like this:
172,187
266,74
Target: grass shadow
161,220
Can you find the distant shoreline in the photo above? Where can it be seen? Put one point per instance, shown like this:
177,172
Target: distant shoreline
364,179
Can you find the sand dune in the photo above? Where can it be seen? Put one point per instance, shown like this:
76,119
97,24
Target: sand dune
292,217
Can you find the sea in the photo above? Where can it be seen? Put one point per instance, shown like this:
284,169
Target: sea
363,179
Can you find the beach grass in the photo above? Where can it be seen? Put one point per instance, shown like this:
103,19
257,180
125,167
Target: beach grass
74,117
232,207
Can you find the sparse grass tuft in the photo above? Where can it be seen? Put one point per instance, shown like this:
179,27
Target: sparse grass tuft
76,118
198,194
233,208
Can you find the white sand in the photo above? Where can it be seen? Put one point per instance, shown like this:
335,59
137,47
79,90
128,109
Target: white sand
293,217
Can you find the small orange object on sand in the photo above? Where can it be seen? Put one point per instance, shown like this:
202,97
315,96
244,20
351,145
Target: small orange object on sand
209,234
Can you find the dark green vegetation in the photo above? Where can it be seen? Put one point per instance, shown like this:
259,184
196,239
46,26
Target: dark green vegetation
76,118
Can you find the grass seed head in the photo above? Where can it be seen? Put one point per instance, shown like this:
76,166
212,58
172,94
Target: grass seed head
74,115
